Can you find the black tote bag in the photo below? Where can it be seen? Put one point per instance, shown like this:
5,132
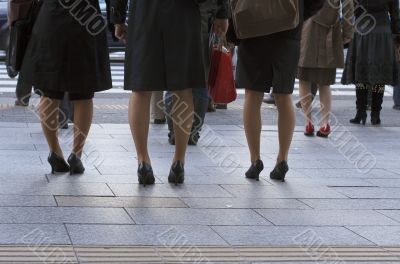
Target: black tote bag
20,33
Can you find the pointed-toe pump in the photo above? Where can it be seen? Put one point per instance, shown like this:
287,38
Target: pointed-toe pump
177,173
309,131
324,132
57,163
76,165
279,172
255,170
145,174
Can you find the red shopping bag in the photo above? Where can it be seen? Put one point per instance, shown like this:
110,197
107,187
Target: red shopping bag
221,81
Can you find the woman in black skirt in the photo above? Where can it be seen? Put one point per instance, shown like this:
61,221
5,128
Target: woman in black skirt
265,62
371,60
163,51
67,53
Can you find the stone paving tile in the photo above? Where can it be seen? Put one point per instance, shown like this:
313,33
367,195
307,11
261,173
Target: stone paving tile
169,190
347,173
388,164
119,202
336,182
127,235
189,216
385,182
39,188
310,164
370,192
395,171
289,217
25,200
281,190
353,204
33,234
96,178
289,236
380,235
59,215
244,203
20,146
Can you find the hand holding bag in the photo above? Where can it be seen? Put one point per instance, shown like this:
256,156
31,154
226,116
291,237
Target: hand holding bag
221,81
256,18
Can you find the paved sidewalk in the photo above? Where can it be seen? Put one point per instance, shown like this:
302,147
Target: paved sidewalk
340,192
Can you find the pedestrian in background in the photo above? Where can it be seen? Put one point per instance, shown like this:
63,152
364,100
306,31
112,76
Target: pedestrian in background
323,38
214,20
396,97
265,62
64,56
371,60
163,51
158,108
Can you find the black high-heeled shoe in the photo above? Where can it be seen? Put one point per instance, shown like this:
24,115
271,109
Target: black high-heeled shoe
145,174
76,165
279,172
57,163
255,170
177,173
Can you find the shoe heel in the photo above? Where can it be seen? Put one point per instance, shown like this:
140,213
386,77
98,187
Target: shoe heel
364,120
57,163
255,170
145,174
177,173
280,171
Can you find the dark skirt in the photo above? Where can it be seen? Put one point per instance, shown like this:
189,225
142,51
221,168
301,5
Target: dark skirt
371,58
318,76
164,46
266,62
64,55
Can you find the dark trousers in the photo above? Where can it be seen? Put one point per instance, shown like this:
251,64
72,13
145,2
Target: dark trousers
23,90
396,95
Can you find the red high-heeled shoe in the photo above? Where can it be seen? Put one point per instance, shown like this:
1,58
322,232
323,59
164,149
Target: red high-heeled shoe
309,132
324,131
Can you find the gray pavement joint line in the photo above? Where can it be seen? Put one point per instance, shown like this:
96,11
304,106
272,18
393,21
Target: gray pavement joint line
110,189
301,201
373,243
379,212
269,221
71,243
216,232
129,215
226,190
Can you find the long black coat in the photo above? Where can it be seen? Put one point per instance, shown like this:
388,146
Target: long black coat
68,49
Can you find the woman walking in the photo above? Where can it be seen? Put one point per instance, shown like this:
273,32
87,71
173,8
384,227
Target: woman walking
265,62
371,61
322,53
67,53
164,51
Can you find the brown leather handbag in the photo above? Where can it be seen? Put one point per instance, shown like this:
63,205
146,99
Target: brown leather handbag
256,18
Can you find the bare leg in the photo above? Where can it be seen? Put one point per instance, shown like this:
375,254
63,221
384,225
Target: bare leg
325,96
252,122
83,115
306,100
48,110
139,120
286,124
182,116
